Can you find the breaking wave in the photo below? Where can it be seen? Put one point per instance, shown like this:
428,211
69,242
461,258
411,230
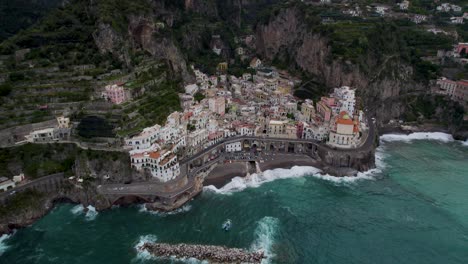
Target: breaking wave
465,143
141,253
238,184
90,214
265,234
77,209
439,136
183,209
255,180
3,245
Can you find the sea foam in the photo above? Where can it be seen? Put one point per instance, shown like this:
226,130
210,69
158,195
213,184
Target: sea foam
77,209
238,184
255,180
183,209
90,215
465,143
3,244
143,254
439,136
265,234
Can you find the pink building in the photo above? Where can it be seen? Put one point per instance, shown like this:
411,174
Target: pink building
324,111
329,101
217,105
461,93
461,47
116,93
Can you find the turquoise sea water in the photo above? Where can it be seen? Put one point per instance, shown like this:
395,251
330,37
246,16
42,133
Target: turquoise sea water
414,209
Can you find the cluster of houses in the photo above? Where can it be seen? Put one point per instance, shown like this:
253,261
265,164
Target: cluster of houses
386,10
61,131
458,53
456,90
447,7
259,104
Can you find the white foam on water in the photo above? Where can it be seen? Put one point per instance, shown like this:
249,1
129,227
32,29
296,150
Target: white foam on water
265,234
465,143
255,180
189,260
143,254
183,209
439,136
91,213
3,245
77,209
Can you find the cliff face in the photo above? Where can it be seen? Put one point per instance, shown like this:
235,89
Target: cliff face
144,31
286,36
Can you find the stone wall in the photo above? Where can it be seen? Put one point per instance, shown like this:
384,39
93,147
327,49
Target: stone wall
10,136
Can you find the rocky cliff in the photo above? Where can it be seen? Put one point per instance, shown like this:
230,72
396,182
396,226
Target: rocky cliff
287,36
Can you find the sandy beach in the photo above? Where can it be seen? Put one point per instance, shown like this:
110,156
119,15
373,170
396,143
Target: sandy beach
223,173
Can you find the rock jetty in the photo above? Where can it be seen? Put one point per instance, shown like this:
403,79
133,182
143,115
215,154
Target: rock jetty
214,254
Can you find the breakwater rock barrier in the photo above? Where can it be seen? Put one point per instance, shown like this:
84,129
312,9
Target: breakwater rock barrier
214,254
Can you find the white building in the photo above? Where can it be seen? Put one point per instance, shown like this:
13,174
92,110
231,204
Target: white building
234,147
347,98
217,105
345,134
6,184
145,139
197,138
456,20
191,89
162,164
404,5
381,9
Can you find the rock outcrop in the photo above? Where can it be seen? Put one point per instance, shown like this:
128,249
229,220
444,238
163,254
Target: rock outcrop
216,254
287,36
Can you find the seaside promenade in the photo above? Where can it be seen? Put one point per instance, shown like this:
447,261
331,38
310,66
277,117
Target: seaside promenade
272,153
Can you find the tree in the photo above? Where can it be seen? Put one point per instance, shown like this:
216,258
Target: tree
16,76
199,96
5,89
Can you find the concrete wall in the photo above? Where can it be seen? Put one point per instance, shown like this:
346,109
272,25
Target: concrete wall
9,136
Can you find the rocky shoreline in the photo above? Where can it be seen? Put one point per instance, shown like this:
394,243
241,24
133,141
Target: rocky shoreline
424,127
218,177
214,254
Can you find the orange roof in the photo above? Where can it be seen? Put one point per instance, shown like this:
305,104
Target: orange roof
344,119
155,154
463,82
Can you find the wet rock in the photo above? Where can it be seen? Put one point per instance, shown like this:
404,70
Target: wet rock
216,254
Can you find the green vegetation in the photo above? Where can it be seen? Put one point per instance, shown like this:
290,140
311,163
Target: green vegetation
93,126
198,97
36,160
438,108
115,12
5,89
19,14
22,202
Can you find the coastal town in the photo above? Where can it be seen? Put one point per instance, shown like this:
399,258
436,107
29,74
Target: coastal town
217,131
224,106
